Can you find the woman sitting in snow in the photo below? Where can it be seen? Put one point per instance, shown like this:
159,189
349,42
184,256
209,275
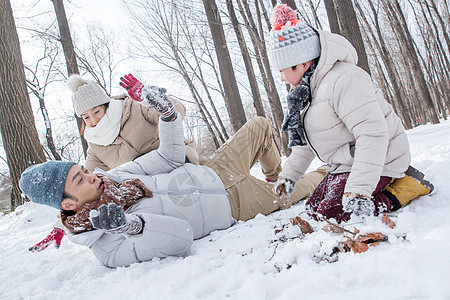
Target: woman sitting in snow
336,114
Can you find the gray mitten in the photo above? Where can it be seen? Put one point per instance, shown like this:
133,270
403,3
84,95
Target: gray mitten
156,97
360,205
113,219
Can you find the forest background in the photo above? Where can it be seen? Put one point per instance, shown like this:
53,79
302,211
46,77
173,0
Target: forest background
210,54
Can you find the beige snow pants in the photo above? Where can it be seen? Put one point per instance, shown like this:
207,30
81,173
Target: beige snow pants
248,195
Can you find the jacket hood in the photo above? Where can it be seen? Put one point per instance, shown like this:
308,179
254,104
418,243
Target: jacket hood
334,48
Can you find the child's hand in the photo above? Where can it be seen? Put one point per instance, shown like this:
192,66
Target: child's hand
133,86
283,187
360,205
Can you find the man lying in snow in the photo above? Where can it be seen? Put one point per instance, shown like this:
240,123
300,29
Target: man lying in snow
156,205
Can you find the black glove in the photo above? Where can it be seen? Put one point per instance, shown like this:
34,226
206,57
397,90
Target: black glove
113,219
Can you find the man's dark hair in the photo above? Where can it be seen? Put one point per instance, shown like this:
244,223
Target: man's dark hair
315,60
66,195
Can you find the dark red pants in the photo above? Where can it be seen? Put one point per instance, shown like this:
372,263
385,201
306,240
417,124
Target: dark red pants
327,197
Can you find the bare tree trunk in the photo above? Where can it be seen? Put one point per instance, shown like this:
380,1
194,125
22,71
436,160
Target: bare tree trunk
172,24
197,71
406,39
233,99
332,16
257,103
206,117
259,45
314,12
195,94
398,95
441,22
219,83
433,65
435,36
443,79
290,3
37,91
411,90
350,29
69,54
19,134
265,16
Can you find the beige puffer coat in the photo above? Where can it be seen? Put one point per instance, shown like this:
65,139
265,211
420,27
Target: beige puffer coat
348,124
138,135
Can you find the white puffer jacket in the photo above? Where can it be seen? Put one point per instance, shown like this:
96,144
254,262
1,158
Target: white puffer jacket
189,201
348,124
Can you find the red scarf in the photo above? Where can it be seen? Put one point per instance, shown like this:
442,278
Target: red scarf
123,194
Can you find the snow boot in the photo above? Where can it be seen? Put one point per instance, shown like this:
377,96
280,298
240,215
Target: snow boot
403,190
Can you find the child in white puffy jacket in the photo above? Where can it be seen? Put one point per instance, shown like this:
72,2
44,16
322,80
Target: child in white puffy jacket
335,114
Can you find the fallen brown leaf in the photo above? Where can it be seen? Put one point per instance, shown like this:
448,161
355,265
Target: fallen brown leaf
371,237
359,247
305,227
388,221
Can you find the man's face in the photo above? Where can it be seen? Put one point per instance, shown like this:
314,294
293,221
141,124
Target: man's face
82,185
293,76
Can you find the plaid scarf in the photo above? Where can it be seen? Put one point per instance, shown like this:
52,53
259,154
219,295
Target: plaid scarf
123,194
298,98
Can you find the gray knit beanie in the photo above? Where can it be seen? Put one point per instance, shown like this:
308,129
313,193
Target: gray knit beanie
86,94
44,183
292,41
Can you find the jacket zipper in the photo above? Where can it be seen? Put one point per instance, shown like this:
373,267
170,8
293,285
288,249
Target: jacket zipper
306,135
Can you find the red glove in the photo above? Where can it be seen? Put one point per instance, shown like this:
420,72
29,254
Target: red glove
133,86
54,237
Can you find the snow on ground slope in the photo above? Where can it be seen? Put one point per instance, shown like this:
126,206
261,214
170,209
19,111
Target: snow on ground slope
249,260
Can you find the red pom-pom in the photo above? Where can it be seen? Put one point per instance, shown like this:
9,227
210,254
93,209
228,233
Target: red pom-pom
283,14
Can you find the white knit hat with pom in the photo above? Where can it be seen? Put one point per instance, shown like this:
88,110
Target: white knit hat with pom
292,41
86,94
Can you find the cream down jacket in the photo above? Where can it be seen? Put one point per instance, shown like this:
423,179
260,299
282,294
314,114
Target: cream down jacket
348,124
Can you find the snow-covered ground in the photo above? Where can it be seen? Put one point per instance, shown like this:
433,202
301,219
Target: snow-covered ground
250,260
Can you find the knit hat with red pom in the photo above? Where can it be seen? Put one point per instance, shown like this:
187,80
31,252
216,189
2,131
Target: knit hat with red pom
292,41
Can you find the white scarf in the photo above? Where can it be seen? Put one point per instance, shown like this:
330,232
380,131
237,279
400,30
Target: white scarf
108,128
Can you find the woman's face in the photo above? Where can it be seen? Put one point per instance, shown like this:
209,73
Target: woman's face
93,115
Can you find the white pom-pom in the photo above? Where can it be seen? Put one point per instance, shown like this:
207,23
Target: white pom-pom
74,82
